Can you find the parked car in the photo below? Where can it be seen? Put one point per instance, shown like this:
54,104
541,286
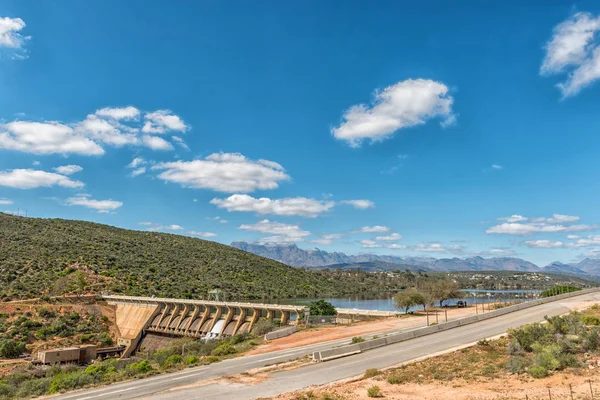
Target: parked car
461,304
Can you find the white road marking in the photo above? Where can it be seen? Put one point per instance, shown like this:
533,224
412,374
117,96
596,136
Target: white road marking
189,375
106,394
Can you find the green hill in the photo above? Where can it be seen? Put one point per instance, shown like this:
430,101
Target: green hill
55,257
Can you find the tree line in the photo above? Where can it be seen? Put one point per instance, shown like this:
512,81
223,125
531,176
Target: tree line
430,293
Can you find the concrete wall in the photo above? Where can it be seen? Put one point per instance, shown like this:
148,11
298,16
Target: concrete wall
401,337
281,333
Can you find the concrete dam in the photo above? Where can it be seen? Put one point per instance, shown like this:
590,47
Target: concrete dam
136,316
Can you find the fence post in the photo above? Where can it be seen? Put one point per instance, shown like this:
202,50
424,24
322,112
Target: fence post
571,390
591,390
549,394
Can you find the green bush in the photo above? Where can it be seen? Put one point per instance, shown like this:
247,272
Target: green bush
538,372
371,372
223,350
191,360
527,335
263,326
547,356
516,364
105,339
70,381
396,379
357,339
10,348
172,360
590,320
33,387
142,367
212,359
374,391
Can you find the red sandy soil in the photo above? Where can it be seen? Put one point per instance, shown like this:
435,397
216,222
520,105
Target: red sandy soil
319,335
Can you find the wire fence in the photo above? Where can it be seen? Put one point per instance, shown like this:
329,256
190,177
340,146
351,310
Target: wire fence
581,391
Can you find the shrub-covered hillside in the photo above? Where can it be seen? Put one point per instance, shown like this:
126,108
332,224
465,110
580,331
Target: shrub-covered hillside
54,257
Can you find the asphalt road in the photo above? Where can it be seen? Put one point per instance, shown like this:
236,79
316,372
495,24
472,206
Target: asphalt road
187,384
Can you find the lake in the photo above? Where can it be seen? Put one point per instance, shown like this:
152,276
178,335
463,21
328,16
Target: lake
387,303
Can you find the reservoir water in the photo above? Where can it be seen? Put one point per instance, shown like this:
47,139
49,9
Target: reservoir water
386,303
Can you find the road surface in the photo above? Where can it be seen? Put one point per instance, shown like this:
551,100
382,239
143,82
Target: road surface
188,384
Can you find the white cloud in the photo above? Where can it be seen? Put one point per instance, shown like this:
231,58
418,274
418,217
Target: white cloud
396,247
496,166
138,171
544,244
224,172
573,237
162,121
300,206
360,204
389,238
5,202
104,131
405,104
154,227
10,36
367,244
201,234
591,240
556,223
322,241
513,218
373,229
30,179
284,233
180,142
36,163
98,205
438,248
218,219
574,48
125,113
107,126
68,169
46,138
137,162
331,236
156,143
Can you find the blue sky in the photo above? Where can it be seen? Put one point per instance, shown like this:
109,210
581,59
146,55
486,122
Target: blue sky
406,129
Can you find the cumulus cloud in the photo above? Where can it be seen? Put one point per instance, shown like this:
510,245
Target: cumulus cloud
360,204
405,104
389,238
125,113
138,171
156,143
283,233
513,218
68,169
544,244
373,229
154,227
162,121
438,248
30,179
11,37
5,202
574,49
114,127
556,223
591,240
46,138
102,206
224,172
300,206
201,234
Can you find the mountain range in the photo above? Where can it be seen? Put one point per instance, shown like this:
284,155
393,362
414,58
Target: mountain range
316,258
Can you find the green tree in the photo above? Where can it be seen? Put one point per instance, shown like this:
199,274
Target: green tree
443,290
10,348
408,298
322,307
